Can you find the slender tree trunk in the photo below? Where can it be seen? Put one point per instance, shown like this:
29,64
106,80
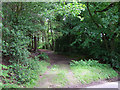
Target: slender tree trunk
43,39
32,42
35,43
105,41
29,44
48,34
52,45
46,46
38,41
70,39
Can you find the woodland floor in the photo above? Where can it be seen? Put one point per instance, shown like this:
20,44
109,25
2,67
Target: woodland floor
46,80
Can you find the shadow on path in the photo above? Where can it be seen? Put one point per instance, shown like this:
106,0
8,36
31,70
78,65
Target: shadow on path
55,58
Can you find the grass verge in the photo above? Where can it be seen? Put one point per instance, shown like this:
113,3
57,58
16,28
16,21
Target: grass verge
89,71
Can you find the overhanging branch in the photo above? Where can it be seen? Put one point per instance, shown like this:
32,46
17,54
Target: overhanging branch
91,15
107,8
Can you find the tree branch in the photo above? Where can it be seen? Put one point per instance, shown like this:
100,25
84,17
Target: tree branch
107,8
91,15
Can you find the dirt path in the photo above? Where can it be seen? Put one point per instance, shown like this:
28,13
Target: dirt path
47,80
63,63
55,58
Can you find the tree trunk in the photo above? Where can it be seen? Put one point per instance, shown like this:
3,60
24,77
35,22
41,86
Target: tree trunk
52,45
70,39
48,35
38,40
32,42
43,39
35,43
46,46
105,41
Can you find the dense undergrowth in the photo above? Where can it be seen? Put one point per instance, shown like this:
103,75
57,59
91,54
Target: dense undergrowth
23,74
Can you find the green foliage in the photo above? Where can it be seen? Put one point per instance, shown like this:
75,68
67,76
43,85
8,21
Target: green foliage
20,22
70,8
97,35
6,78
21,74
15,38
35,74
91,70
109,57
88,63
44,56
77,28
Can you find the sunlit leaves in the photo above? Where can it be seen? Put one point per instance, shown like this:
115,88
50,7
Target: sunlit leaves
71,8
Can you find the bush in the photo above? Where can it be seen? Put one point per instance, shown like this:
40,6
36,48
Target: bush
7,81
112,58
43,56
18,74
